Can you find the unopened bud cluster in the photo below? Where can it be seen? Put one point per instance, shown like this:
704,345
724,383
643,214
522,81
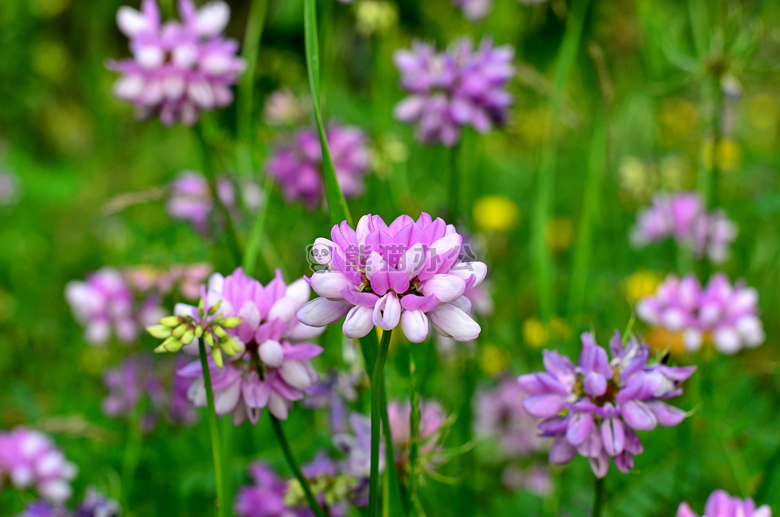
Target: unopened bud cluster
180,331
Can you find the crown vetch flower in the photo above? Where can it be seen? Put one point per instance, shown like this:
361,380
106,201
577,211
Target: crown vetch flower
267,369
431,429
408,272
265,497
474,10
595,407
29,459
726,313
178,68
721,504
104,302
464,86
296,163
683,217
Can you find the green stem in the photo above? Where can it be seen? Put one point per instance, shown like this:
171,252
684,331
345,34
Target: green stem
598,498
213,430
251,46
546,176
253,244
454,207
296,469
132,452
377,382
232,235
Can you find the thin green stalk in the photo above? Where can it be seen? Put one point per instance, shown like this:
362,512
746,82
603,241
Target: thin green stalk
393,503
598,498
213,430
377,382
232,235
337,205
454,207
132,452
251,46
591,200
296,469
414,431
546,177
253,244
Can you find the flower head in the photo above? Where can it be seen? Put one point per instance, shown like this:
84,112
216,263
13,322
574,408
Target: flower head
431,428
179,68
595,407
725,313
296,163
721,504
29,459
104,303
407,273
683,217
266,370
474,10
265,497
464,86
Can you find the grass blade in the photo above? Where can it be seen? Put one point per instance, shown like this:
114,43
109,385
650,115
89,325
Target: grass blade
337,205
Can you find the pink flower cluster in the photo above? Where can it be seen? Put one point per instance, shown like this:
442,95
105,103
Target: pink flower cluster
105,303
464,86
270,371
721,504
29,459
595,407
178,69
407,273
296,163
683,217
726,313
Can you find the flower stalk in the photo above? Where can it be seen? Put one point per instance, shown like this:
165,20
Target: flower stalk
377,382
216,448
599,495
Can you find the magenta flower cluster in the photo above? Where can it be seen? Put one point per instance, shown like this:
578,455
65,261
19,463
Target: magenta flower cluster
407,273
726,313
721,504
30,460
463,86
179,68
296,163
683,217
94,504
270,371
595,407
105,303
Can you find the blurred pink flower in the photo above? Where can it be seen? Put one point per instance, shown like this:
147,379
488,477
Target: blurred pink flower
29,459
721,504
726,312
178,68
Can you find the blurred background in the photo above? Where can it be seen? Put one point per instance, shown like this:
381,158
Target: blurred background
83,185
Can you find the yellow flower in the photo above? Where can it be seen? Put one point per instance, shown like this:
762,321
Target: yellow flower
558,234
678,121
729,155
662,340
497,214
535,333
641,284
492,359
637,178
375,16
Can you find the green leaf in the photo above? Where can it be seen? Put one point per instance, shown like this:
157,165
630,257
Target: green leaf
337,205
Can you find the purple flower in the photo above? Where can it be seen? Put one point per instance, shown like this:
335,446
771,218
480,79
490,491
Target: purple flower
178,69
283,108
721,504
500,415
265,497
43,509
357,447
137,377
461,87
185,279
104,302
595,407
406,273
29,459
97,505
296,163
268,371
683,217
332,393
474,10
431,429
535,479
727,313
190,199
